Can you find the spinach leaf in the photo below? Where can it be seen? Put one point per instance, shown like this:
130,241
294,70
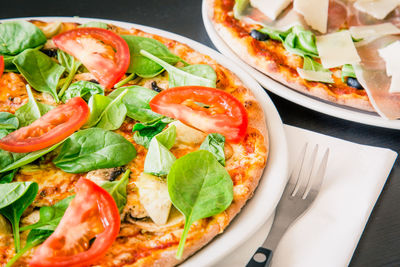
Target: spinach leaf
8,121
301,42
7,177
16,197
4,132
105,112
147,130
137,102
93,149
312,66
117,190
71,65
40,71
202,75
239,7
50,216
10,161
159,159
96,24
35,238
275,34
199,187
143,66
16,36
214,143
348,71
83,89
31,111
8,64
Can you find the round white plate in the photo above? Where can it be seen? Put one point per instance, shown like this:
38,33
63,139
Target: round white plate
262,205
322,106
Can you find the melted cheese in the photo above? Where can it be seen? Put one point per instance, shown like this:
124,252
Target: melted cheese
318,76
337,49
379,9
271,8
368,31
315,13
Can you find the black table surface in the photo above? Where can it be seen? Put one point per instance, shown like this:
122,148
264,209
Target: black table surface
380,242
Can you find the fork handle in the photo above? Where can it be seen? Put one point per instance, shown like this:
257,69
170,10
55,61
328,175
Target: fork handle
262,257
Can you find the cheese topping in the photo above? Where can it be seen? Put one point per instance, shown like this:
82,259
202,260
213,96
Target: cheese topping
318,76
271,8
360,32
391,55
337,49
315,13
379,9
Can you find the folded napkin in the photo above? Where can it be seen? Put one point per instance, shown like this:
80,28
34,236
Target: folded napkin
328,233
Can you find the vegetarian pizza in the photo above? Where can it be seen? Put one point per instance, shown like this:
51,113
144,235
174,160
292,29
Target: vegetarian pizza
118,147
342,51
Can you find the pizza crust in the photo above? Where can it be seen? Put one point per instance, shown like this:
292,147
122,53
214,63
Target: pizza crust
242,47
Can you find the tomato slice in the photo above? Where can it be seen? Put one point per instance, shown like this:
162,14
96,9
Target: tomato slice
51,128
208,109
1,65
93,213
104,53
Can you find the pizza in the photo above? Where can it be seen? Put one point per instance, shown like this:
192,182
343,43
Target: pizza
338,54
118,147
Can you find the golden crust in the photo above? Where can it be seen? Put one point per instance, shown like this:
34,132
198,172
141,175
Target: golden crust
273,60
138,246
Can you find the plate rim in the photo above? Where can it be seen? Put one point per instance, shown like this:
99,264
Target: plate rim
345,113
274,177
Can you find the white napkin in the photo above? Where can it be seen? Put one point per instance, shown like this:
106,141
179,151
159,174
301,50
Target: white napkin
328,233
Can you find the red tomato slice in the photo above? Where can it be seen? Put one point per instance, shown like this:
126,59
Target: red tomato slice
208,109
1,65
104,53
53,127
93,213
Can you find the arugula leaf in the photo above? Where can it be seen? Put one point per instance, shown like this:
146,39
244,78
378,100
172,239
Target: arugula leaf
40,71
71,65
159,159
10,161
105,112
96,24
275,34
239,7
16,36
137,102
31,111
202,75
50,216
93,149
214,143
147,130
142,66
348,71
199,187
35,238
16,197
84,89
301,42
117,190
8,121
310,66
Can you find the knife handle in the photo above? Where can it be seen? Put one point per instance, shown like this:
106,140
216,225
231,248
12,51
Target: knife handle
262,257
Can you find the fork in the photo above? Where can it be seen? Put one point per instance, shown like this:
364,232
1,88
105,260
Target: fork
301,190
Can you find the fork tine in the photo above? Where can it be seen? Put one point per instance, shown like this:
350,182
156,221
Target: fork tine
295,175
318,177
306,172
310,168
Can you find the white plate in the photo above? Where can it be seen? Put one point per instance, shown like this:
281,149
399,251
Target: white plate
262,205
322,106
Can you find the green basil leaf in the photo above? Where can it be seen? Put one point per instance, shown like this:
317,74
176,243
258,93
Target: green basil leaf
93,149
16,197
105,112
159,159
137,102
96,24
16,36
348,71
8,121
50,216
143,66
31,111
301,42
239,8
117,190
40,71
275,34
199,187
202,75
147,130
214,143
7,177
10,161
83,89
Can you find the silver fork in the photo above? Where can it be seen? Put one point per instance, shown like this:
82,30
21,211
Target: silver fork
301,190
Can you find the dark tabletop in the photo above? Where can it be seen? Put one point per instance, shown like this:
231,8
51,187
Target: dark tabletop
380,242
